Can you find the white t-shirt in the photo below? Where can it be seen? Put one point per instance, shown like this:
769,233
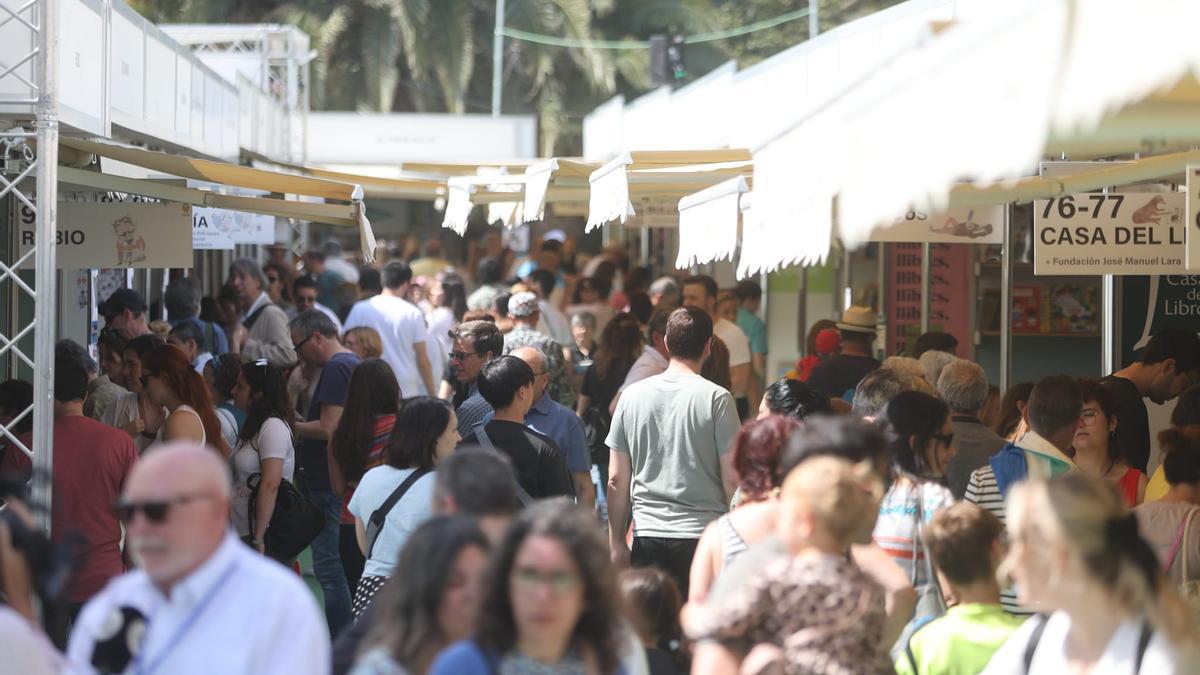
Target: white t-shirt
1161,658
401,326
414,508
735,340
274,440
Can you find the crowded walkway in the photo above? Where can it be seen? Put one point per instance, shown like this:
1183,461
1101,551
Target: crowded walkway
541,465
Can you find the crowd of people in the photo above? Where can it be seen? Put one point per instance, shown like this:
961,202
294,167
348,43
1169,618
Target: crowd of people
557,465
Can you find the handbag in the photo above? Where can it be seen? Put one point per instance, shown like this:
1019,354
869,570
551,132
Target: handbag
295,522
595,431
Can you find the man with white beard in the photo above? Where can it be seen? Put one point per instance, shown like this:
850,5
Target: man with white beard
200,601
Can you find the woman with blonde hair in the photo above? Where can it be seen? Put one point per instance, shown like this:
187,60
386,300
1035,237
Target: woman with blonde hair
1077,556
363,341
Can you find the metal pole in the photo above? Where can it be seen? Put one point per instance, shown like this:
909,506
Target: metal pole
1109,324
1006,302
802,311
45,267
925,269
843,282
498,59
814,21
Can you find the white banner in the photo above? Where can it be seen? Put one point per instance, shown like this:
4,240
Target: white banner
1193,219
1116,233
979,225
238,227
116,235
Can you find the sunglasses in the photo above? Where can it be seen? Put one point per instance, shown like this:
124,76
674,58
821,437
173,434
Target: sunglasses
272,280
298,345
156,511
461,356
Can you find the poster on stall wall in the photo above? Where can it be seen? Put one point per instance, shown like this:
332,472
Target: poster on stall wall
649,212
1091,233
979,225
949,294
129,236
1192,257
221,228
1151,303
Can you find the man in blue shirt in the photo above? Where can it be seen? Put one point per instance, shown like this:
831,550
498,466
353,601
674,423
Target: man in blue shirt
749,298
476,343
561,424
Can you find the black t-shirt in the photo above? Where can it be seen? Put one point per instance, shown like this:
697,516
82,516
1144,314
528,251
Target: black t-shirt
540,465
603,389
840,374
1132,436
331,389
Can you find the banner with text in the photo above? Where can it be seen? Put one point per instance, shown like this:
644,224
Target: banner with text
949,294
1192,258
116,235
981,225
222,229
1116,233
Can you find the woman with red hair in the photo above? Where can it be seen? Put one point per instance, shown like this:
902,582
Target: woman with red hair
173,383
756,452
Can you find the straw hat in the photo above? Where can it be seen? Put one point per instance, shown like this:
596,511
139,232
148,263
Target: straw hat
857,320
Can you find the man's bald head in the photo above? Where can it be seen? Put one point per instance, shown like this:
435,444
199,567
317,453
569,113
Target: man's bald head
191,485
536,360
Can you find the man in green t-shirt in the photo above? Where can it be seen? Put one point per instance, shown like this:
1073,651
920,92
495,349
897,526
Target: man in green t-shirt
963,640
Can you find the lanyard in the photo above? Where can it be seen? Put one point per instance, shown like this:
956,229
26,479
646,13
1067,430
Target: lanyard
139,669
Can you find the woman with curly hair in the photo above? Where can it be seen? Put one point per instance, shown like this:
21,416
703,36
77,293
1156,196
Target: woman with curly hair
756,451
550,601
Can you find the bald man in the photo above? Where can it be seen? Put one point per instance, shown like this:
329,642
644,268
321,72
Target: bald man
561,424
201,602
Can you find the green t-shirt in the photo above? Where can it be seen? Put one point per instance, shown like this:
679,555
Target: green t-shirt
959,643
755,330
675,428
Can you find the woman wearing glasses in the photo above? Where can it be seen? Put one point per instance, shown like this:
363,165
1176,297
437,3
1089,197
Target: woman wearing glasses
426,430
358,444
171,382
1096,449
264,448
550,601
921,449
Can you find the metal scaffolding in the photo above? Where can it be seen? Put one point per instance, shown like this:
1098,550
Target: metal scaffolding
29,175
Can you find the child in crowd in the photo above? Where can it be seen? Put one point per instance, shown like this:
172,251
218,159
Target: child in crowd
964,639
652,605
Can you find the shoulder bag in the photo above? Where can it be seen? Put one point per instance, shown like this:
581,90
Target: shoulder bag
379,516
295,522
485,442
930,602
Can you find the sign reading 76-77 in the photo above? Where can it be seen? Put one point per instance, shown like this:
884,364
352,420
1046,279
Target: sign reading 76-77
1112,233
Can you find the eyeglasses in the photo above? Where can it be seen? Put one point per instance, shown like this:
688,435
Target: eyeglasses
272,280
945,439
156,511
461,356
1089,414
296,347
528,580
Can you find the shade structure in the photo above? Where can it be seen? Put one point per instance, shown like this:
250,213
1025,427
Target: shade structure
709,223
414,187
460,199
555,179
353,213
982,101
663,174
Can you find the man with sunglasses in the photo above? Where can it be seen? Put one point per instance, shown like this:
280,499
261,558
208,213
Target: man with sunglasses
316,343
91,464
476,343
201,601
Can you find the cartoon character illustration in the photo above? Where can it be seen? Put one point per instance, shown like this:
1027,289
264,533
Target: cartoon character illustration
131,247
969,228
1152,212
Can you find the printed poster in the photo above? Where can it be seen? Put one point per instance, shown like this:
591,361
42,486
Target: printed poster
121,236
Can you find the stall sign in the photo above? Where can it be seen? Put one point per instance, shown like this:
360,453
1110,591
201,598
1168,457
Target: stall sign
1193,219
949,293
650,212
207,233
129,235
978,225
222,228
1111,233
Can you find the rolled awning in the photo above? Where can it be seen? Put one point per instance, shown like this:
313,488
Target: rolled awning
351,214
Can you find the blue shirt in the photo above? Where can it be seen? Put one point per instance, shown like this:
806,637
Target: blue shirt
562,425
472,412
331,390
755,330
220,344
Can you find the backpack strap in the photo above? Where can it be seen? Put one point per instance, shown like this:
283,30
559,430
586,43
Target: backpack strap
253,318
1143,644
375,524
1034,639
485,442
